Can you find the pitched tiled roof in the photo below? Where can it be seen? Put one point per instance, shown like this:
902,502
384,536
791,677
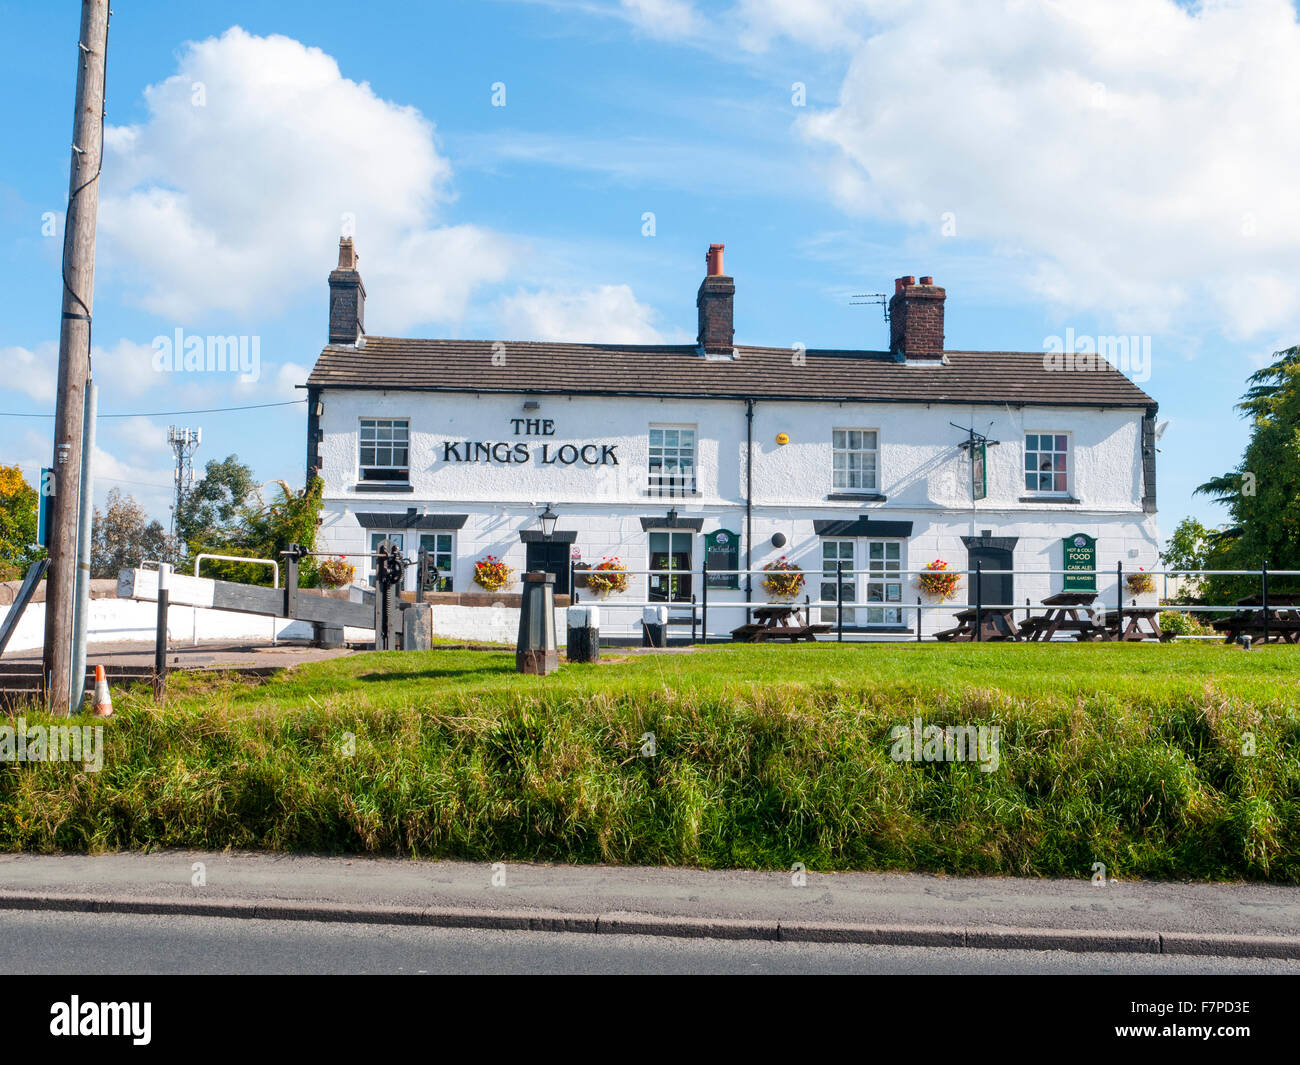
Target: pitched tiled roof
992,377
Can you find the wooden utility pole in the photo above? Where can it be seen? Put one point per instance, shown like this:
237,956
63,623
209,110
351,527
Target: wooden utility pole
74,349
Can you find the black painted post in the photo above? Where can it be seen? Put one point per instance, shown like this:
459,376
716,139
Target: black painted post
421,572
1119,598
160,636
704,599
1264,599
979,601
692,617
291,581
573,584
839,601
918,619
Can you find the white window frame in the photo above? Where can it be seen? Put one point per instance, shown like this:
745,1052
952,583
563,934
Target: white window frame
687,475
1048,493
890,591
849,579
444,575
861,452
376,538
377,444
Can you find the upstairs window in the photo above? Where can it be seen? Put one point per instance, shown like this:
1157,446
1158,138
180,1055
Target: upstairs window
854,460
385,449
1047,458
672,460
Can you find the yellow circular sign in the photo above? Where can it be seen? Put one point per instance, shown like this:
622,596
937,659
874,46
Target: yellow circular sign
782,438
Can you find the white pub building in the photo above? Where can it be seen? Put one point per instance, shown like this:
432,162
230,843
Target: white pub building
669,457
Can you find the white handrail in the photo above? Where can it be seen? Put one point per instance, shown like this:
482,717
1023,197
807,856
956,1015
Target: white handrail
275,583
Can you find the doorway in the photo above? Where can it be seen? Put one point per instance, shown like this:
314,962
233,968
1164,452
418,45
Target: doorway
553,557
991,589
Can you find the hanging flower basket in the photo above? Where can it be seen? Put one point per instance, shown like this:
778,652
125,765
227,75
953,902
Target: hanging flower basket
784,579
337,572
937,581
1140,583
609,576
493,574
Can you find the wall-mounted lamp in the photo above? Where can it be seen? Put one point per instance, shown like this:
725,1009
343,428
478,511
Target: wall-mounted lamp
672,517
548,518
532,404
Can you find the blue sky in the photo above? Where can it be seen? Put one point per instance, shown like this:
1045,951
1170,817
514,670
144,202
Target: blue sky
1117,168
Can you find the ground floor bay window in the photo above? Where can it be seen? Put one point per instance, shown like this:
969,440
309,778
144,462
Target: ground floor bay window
870,578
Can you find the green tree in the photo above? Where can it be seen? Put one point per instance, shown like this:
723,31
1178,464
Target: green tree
18,546
1186,549
1262,493
123,536
252,527
212,511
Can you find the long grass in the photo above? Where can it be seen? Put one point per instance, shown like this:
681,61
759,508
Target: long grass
1133,756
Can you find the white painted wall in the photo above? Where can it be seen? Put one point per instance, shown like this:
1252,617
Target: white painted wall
115,620
925,477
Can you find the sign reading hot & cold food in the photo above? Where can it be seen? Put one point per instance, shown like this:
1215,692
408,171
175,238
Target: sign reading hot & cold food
1080,554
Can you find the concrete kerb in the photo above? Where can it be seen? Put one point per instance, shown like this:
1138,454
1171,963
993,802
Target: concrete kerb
1074,940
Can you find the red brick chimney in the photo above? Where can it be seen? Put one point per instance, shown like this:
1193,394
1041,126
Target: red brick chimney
716,305
347,297
916,319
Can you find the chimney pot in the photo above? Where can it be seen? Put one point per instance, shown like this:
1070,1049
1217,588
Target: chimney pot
347,297
916,319
716,305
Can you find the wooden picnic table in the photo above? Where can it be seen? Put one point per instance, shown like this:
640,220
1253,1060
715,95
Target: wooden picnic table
1283,619
996,623
1135,617
1062,615
782,621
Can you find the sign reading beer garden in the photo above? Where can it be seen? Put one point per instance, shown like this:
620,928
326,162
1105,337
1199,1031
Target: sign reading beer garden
1079,552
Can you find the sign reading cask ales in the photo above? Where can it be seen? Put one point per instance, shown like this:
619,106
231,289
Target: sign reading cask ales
722,552
1079,552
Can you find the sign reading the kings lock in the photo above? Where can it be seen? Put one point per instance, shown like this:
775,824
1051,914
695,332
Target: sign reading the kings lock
545,453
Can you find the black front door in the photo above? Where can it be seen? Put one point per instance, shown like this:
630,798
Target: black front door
995,589
553,557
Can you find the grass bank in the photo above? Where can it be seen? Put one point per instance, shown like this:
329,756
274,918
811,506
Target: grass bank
763,756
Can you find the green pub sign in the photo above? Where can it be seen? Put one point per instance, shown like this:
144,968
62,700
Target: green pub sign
1079,552
722,551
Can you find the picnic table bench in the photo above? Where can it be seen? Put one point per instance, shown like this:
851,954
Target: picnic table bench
1135,618
780,622
996,623
1283,619
1062,615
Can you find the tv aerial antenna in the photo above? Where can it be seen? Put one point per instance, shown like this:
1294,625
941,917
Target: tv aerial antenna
866,298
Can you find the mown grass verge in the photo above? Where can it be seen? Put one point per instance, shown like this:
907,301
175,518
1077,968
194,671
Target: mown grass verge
764,756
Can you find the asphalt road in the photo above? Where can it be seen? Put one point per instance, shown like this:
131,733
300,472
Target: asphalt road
114,944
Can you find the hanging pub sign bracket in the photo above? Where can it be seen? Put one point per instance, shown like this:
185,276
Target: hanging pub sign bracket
977,444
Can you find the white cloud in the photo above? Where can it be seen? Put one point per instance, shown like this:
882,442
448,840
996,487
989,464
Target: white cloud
236,204
33,373
663,18
139,433
126,367
1110,151
608,314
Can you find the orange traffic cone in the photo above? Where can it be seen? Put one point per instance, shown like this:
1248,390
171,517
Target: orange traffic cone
103,701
